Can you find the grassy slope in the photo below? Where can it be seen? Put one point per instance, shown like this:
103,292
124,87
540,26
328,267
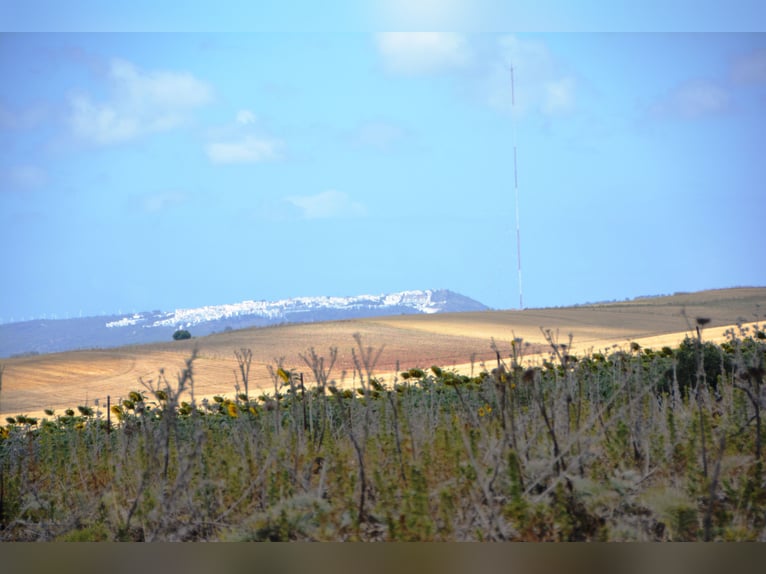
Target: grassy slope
61,380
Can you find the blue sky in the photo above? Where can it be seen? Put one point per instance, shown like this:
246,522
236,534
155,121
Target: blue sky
178,169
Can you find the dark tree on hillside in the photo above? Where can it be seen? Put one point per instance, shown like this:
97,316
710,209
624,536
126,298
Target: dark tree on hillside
181,334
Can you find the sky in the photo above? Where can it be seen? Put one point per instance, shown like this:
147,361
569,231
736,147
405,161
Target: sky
177,162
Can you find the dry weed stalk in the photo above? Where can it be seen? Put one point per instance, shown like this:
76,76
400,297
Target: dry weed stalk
568,450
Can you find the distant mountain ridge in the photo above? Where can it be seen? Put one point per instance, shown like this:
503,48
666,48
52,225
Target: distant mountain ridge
50,336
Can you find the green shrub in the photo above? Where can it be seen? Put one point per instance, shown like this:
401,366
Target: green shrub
713,362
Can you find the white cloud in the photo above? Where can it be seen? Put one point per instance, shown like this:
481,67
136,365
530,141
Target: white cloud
559,96
540,84
327,204
692,100
245,117
170,90
412,53
141,102
249,149
750,68
102,124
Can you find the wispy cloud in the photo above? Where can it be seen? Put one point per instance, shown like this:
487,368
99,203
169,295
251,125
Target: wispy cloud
243,141
327,204
248,149
412,53
141,102
245,117
546,87
543,86
692,100
559,96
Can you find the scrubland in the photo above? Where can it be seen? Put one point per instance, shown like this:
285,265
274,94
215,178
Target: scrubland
634,444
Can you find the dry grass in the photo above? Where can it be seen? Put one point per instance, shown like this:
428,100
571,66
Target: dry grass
62,380
599,325
663,445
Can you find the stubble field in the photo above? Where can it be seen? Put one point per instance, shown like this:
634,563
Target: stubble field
460,340
635,421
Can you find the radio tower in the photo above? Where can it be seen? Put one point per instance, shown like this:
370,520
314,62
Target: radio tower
516,188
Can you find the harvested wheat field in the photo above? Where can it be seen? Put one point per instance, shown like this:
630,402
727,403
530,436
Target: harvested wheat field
461,340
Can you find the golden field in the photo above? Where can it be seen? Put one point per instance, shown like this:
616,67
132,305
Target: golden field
63,380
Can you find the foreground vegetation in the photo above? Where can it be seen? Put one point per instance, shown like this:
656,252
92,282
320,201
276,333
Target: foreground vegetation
661,445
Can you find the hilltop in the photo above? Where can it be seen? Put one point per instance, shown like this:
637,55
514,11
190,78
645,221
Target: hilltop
103,332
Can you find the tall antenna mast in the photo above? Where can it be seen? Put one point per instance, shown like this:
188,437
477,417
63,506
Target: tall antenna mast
516,188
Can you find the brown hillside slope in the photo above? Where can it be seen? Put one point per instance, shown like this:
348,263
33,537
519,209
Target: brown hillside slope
62,380
601,325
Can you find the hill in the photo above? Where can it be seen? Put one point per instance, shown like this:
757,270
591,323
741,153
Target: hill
53,336
60,380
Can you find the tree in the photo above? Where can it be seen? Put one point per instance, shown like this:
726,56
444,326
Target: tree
181,334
